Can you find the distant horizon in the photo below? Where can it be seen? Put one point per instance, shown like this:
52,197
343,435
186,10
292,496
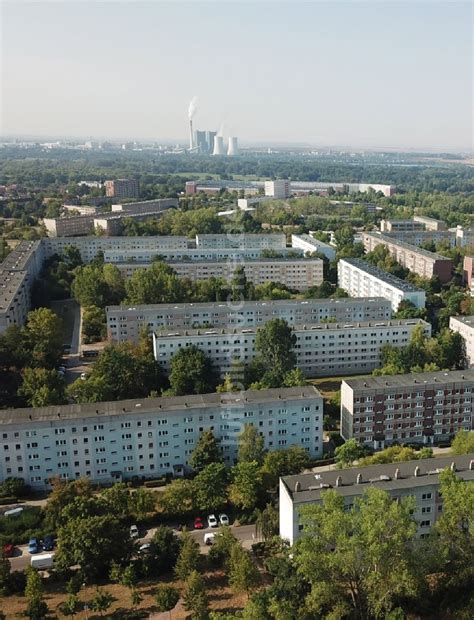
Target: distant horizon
360,75
45,138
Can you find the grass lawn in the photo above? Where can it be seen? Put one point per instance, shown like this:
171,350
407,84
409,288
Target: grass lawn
220,597
328,386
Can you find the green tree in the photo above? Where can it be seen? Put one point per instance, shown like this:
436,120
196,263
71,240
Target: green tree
5,570
177,498
192,372
142,503
156,284
188,558
129,577
42,387
267,523
195,597
274,351
71,606
224,541
44,332
101,602
207,451
135,598
210,487
358,559
246,485
241,287
166,597
243,574
115,284
251,445
349,452
36,606
93,324
89,287
284,463
93,542
164,550
463,443
62,495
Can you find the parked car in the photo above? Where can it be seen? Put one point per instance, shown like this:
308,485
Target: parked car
209,538
33,545
48,543
43,561
198,524
223,519
83,376
212,521
8,550
145,548
134,532
62,368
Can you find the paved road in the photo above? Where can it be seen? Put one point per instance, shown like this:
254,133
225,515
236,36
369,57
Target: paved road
244,533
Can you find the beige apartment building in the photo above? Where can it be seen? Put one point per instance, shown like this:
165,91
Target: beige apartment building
464,325
124,324
412,408
415,479
419,261
296,274
321,350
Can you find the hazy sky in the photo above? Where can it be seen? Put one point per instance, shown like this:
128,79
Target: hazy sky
390,74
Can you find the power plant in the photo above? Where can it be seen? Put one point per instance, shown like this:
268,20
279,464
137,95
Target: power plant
208,142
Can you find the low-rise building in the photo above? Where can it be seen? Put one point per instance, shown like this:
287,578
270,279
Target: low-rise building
417,479
361,279
414,408
125,323
419,261
430,223
145,438
464,325
296,274
146,206
321,350
310,244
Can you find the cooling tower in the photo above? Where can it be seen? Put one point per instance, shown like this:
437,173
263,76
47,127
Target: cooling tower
218,146
233,147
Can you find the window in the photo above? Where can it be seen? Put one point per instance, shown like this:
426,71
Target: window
427,496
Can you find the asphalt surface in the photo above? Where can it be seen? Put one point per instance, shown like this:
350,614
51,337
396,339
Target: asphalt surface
246,534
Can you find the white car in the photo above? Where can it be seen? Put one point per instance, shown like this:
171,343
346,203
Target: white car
223,519
145,548
209,538
134,531
83,376
212,521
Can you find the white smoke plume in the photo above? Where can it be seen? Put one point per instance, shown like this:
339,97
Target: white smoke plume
192,107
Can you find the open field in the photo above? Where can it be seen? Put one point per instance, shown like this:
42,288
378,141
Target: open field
220,596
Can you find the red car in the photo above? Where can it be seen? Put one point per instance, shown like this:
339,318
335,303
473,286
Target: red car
198,524
8,550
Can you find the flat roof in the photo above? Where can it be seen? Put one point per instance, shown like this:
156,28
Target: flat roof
466,320
153,405
332,301
304,488
277,259
408,246
296,328
10,283
385,276
314,241
412,380
17,259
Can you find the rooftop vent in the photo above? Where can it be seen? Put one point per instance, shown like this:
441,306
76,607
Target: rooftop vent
471,464
297,486
325,485
397,474
452,467
359,479
417,471
339,481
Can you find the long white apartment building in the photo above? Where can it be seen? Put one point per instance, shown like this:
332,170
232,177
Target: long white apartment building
297,274
361,279
125,323
420,407
269,241
151,437
310,244
321,350
145,206
17,275
416,479
464,325
192,254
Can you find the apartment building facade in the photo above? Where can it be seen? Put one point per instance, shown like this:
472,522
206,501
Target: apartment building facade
122,188
124,324
420,237
321,350
192,254
464,325
296,274
111,441
268,241
310,244
146,206
416,479
419,261
414,408
430,223
361,279
400,225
